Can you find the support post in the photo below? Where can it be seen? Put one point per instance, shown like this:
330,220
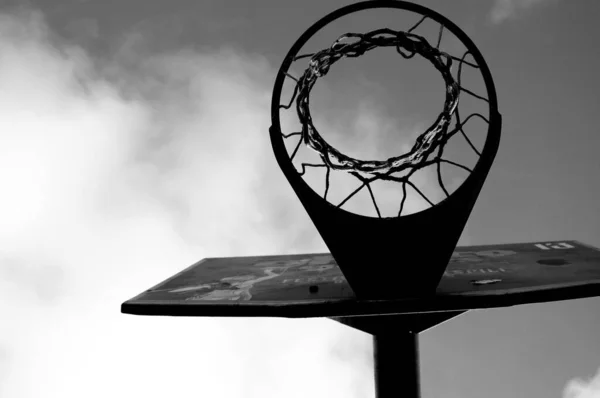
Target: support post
396,348
396,355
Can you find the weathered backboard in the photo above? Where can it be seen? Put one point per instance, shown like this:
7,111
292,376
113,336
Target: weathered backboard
312,285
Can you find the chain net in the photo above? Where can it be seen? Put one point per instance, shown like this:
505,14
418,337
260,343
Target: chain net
428,148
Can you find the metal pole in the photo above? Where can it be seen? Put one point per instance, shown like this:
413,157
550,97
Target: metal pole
396,355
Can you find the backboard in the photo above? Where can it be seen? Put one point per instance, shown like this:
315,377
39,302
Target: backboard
312,285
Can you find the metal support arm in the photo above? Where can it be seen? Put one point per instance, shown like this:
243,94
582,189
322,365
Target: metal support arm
396,349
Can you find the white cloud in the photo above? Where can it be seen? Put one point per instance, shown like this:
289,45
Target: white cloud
578,388
117,176
506,9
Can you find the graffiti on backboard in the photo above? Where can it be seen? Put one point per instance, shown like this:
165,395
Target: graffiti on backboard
239,287
316,269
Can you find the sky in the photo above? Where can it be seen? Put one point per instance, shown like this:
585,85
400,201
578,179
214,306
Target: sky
133,142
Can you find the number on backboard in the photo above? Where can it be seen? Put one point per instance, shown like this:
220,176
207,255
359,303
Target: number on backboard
555,245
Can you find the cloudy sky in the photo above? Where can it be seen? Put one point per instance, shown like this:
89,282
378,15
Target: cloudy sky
134,142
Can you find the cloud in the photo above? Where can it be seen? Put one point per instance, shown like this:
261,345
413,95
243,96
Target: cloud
578,388
507,9
117,173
